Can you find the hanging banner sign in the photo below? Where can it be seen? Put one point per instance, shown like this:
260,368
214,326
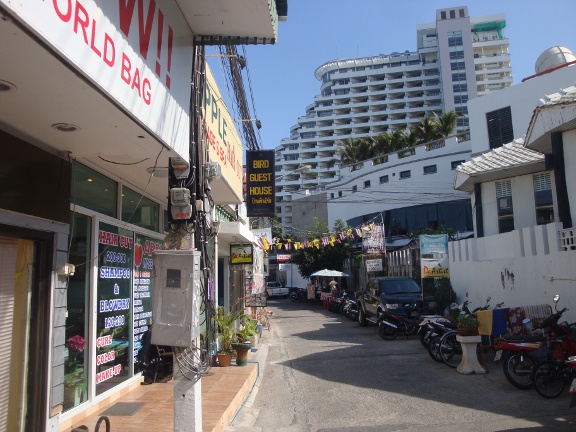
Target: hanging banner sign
435,268
374,265
373,241
434,243
260,185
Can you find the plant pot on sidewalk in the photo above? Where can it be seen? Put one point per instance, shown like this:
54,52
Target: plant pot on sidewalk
224,359
242,350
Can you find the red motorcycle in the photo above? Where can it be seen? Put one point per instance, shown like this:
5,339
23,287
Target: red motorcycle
524,352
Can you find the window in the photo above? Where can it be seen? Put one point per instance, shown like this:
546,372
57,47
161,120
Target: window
430,169
139,210
383,179
405,174
332,195
278,210
504,204
500,130
443,15
543,198
461,11
366,184
458,65
354,188
94,190
455,38
456,164
452,14
339,193
460,88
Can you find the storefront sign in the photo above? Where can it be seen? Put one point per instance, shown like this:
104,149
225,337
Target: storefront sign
142,299
260,194
114,297
435,268
140,53
374,265
282,258
434,243
373,240
241,253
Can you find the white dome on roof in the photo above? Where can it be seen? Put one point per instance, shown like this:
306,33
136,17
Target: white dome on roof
552,57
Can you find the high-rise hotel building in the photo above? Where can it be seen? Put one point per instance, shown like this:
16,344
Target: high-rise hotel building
458,58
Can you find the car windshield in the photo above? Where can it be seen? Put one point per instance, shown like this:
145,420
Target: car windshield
398,286
274,284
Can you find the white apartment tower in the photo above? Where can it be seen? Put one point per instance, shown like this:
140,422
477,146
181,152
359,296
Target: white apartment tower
458,58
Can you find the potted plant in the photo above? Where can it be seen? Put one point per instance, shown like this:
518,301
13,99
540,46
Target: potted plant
74,379
242,343
226,334
467,325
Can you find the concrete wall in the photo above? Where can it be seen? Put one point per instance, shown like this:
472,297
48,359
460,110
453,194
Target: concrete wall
521,267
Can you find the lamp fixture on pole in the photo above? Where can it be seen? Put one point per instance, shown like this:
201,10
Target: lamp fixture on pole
241,60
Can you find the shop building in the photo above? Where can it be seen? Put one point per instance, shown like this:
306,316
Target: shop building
95,98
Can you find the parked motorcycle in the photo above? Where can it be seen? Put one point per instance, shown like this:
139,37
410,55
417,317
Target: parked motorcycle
391,325
350,309
524,352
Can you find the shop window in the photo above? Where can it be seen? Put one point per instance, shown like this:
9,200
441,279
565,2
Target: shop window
505,209
94,191
543,198
139,210
76,343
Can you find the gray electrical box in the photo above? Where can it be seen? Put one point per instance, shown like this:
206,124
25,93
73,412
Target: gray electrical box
175,299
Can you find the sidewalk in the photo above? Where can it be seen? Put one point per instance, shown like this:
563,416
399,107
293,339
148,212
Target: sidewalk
223,394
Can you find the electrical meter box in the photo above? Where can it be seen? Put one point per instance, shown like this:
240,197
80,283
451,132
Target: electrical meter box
176,297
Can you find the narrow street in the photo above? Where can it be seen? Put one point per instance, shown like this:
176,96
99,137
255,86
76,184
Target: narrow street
323,372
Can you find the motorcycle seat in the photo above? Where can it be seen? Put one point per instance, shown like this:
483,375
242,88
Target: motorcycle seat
523,337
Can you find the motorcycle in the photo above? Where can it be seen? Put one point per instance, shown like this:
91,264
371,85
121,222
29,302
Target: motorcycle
427,330
350,309
524,352
391,325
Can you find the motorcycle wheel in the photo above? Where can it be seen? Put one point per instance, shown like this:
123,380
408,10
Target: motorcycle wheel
450,350
518,370
434,348
548,378
386,332
362,318
426,337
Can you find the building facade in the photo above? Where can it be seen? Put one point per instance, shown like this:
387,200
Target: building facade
522,193
95,100
458,58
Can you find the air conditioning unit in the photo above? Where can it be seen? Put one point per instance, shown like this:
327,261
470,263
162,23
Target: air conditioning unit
213,170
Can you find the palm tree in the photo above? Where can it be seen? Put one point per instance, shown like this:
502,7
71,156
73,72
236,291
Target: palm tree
446,123
426,130
354,150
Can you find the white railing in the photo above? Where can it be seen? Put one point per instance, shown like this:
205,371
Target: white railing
567,239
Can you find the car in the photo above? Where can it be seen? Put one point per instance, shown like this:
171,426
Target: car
275,289
398,295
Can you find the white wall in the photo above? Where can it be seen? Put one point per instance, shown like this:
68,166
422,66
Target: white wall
569,139
522,100
520,268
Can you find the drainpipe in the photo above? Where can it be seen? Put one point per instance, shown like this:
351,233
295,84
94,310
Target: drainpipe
478,207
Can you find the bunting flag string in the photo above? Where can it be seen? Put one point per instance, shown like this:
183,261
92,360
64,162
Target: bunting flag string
328,240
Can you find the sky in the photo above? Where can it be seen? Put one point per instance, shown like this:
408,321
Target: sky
279,78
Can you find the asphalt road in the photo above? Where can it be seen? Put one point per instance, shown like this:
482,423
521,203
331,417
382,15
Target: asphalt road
320,371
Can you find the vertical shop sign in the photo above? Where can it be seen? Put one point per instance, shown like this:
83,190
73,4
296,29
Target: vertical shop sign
114,304
142,299
260,183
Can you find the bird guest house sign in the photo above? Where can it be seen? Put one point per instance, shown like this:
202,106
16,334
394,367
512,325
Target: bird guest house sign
260,194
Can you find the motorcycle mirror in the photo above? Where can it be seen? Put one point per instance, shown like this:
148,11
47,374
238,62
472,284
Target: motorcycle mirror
488,299
556,298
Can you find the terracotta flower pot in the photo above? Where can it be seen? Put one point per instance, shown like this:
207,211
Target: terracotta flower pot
224,359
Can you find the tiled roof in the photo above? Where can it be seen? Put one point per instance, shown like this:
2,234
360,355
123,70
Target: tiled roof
512,159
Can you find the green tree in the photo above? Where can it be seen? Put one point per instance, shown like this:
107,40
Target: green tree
329,257
354,150
445,124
